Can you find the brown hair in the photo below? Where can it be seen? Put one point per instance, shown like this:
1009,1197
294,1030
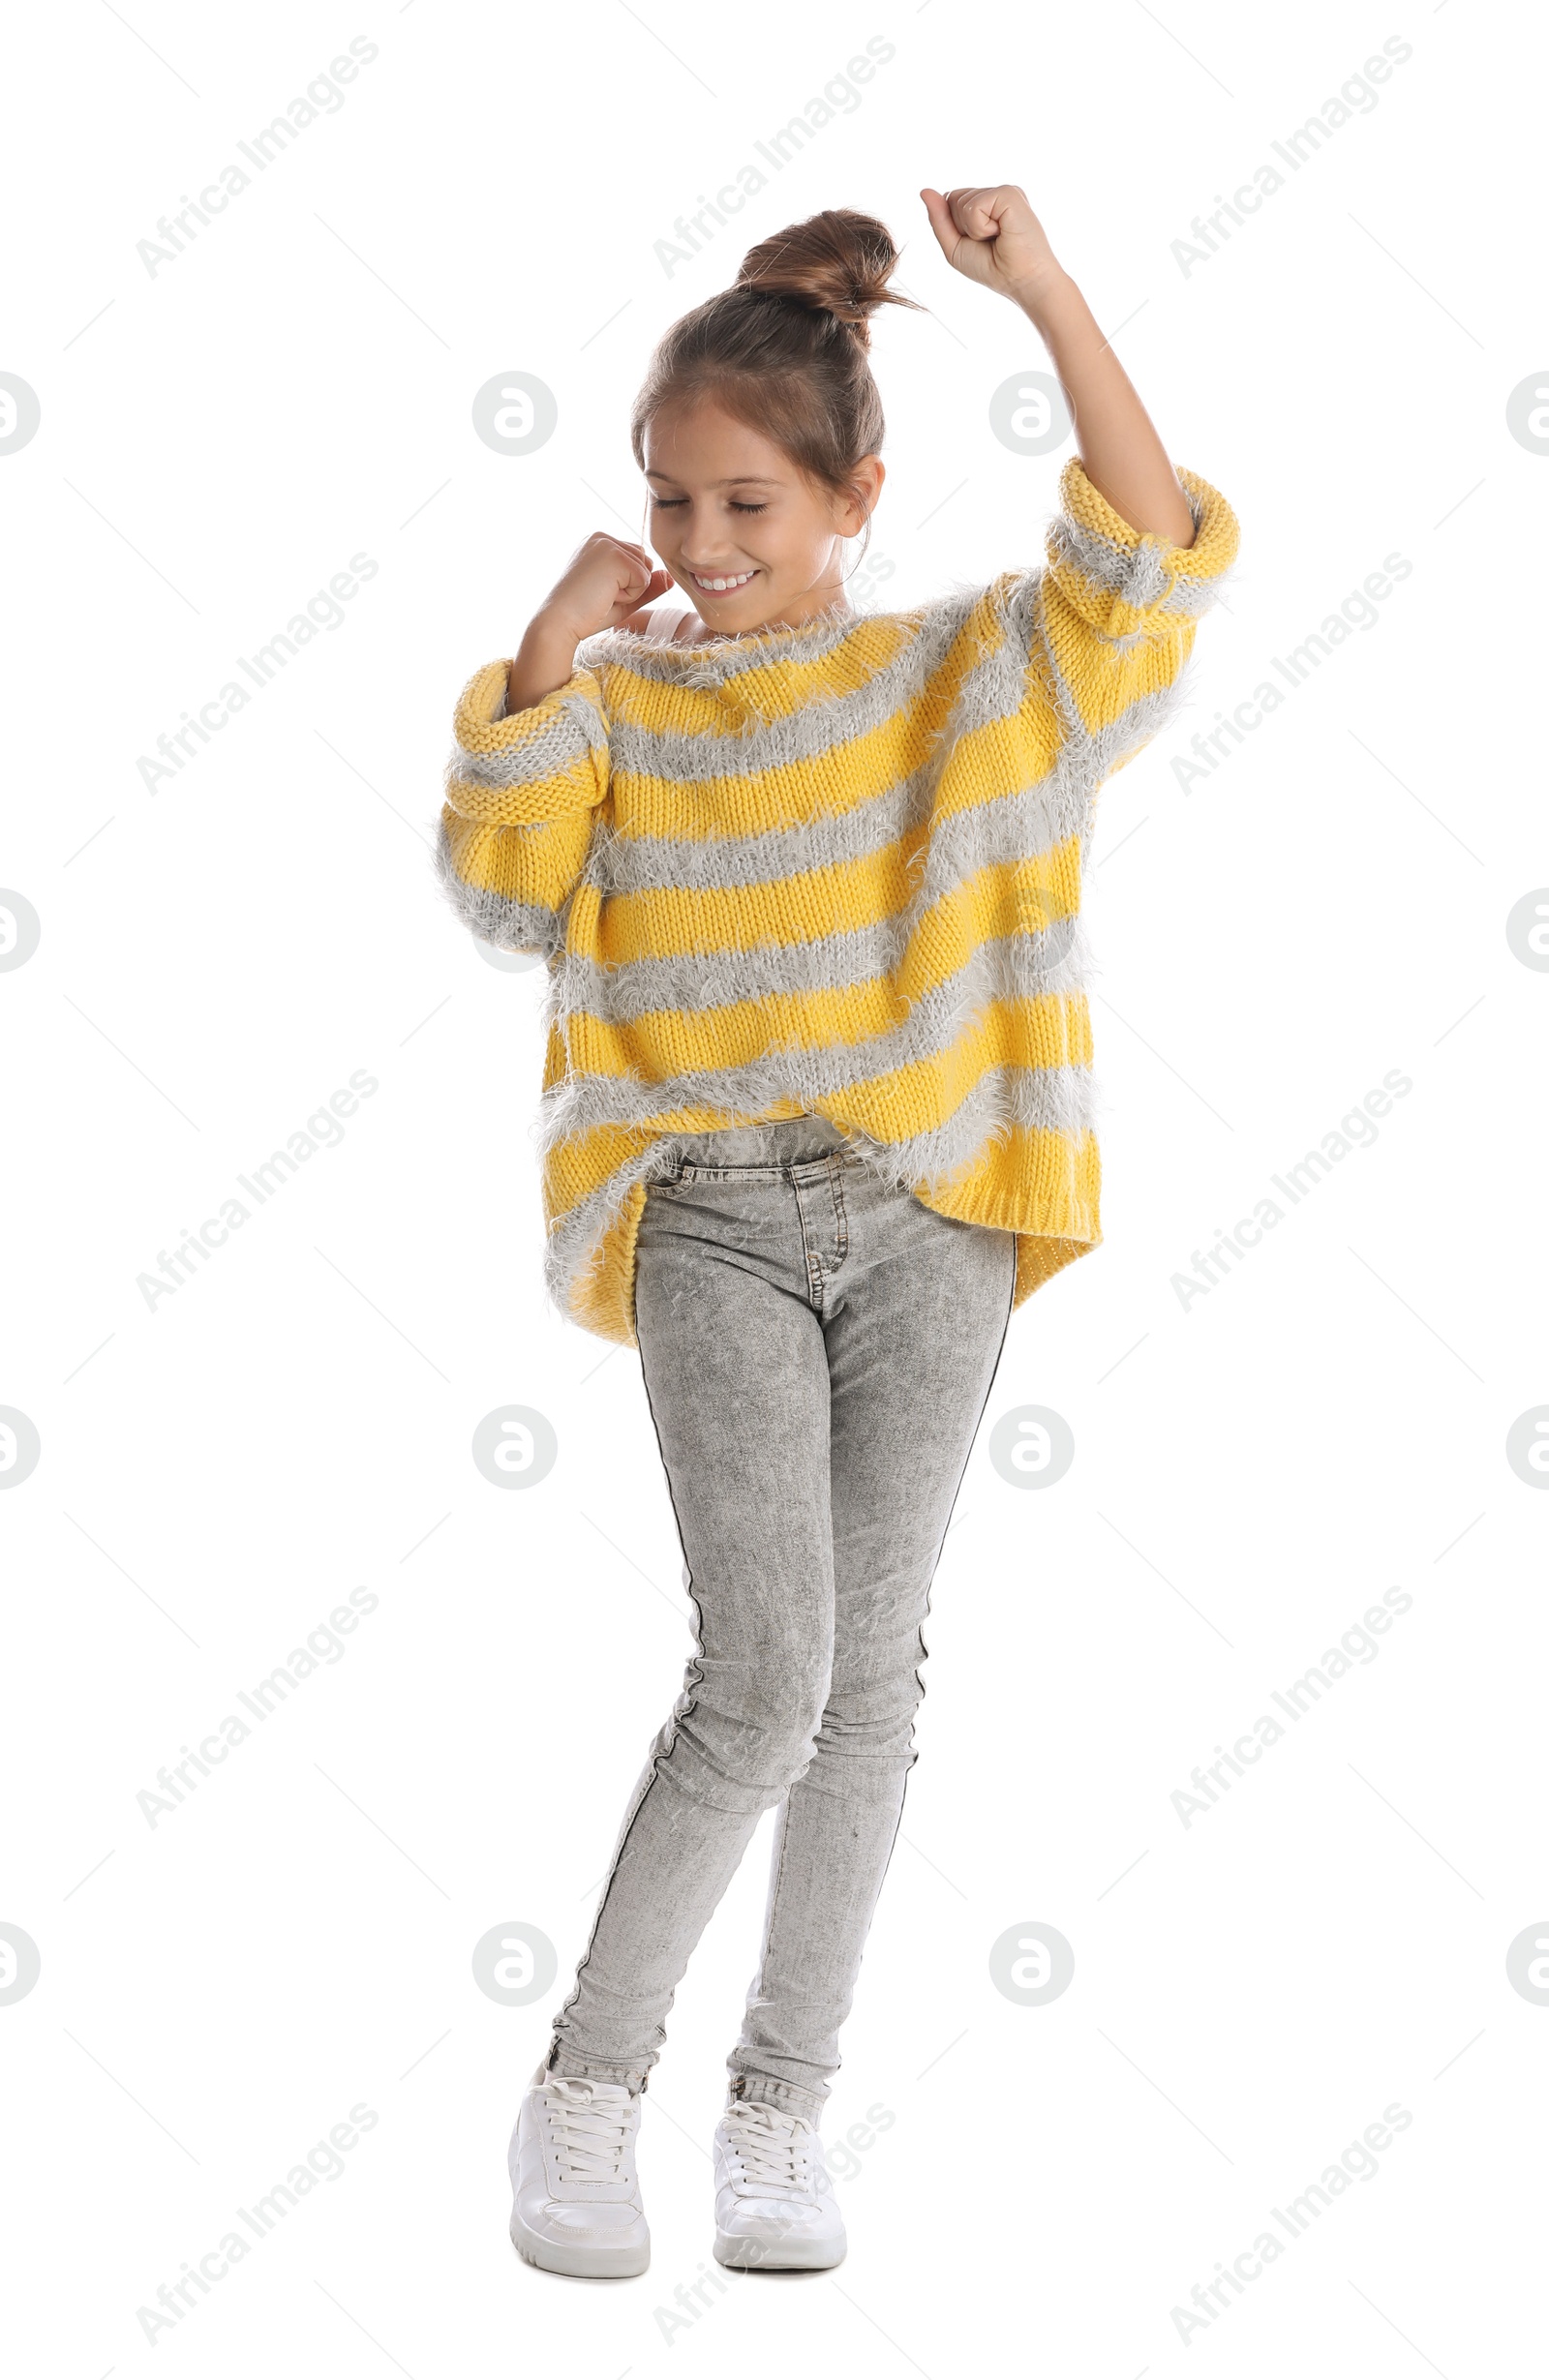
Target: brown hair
783,351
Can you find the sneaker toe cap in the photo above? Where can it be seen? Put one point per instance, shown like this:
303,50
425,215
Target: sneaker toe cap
778,2217
606,2219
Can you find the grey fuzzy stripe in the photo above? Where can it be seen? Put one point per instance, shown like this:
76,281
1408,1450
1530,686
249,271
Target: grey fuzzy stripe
635,863
1017,966
822,724
1023,826
1138,575
1191,599
1004,1097
511,926
578,726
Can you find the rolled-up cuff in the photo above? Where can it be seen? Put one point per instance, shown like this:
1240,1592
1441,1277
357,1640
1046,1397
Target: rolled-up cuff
563,2060
770,2090
1150,577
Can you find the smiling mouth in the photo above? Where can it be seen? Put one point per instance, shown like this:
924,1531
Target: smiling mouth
723,585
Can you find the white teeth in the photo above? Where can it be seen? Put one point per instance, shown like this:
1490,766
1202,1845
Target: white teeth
720,586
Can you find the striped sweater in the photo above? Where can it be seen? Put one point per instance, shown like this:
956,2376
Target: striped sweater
832,869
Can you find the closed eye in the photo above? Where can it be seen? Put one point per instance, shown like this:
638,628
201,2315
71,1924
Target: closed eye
669,504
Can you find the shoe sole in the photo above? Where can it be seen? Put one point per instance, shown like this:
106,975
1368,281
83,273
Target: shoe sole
578,2263
791,2257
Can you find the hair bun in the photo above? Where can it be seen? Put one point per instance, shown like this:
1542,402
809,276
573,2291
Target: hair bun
836,263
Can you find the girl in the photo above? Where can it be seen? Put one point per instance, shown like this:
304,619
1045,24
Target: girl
817,1105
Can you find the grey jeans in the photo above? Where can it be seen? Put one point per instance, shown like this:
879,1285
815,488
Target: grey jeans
818,1349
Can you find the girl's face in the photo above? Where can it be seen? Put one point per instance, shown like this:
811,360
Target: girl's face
750,540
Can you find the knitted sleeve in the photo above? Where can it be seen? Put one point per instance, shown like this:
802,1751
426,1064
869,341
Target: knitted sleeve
1110,623
521,795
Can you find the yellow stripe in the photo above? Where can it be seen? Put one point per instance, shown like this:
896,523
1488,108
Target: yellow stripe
1003,756
570,792
539,866
670,705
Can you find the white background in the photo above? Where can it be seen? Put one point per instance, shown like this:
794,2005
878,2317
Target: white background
1252,1472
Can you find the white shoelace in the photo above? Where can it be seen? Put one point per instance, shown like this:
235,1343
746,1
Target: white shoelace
588,2124
771,2149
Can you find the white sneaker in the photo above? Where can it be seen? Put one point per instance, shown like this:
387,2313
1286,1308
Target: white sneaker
775,2204
575,2194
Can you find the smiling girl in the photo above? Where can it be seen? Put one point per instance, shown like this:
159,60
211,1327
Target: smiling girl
817,1105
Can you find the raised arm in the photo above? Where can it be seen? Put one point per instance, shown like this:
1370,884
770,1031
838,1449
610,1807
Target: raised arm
993,236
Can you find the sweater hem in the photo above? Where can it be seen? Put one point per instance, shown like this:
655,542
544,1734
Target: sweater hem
601,1295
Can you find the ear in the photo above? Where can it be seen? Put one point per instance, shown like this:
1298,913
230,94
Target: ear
855,510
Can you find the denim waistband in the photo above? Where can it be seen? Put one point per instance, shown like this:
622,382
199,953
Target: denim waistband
793,1141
